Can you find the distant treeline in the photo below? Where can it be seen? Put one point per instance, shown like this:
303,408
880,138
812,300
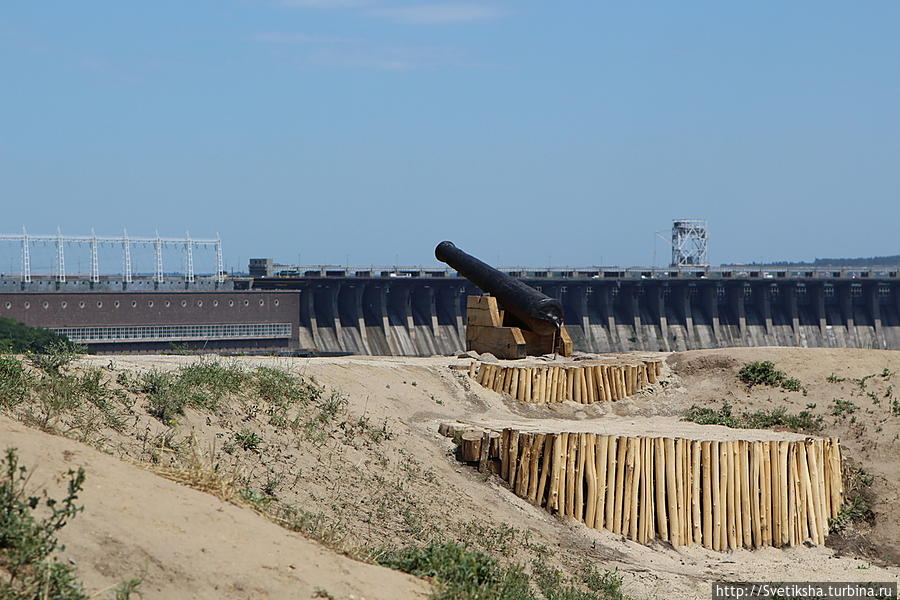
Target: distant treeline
873,261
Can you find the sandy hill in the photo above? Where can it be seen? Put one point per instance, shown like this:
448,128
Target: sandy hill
361,467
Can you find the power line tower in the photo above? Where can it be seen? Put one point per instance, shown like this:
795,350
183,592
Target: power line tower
689,243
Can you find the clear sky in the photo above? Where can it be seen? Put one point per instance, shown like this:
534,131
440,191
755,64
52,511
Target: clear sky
369,130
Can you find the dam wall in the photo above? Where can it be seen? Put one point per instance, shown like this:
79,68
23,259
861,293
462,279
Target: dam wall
425,316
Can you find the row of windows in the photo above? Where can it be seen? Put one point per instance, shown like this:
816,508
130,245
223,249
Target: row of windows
134,303
165,333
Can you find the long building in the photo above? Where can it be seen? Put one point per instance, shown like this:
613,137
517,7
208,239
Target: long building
422,311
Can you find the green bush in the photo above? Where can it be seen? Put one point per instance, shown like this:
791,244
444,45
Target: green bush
14,382
803,421
765,373
18,338
858,498
459,573
27,541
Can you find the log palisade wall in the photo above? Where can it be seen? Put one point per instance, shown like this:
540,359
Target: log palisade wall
581,383
722,495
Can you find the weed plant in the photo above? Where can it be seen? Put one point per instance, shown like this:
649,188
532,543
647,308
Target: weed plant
804,421
765,373
28,527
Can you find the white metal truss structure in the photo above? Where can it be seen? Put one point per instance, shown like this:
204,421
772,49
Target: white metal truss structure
126,242
689,243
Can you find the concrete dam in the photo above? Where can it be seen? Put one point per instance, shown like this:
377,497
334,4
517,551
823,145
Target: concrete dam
418,313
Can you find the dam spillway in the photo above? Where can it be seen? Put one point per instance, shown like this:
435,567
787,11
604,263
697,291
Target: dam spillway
424,313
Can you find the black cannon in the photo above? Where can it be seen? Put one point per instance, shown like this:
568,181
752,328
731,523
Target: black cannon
531,309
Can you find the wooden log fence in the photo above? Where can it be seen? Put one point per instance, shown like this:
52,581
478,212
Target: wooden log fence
721,495
580,383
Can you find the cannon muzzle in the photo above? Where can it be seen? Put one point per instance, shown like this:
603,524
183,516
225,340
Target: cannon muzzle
536,311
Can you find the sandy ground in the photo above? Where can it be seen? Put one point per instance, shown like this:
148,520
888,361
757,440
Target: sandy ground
402,489
184,543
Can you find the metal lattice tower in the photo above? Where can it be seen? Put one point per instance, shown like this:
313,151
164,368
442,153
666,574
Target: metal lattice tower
93,241
689,243
126,256
60,256
26,257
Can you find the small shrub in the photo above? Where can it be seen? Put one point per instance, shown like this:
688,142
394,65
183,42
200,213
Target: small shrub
248,440
858,498
55,356
14,382
765,373
843,407
28,527
803,421
459,573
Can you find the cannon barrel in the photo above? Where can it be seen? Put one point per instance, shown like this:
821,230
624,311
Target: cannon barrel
536,311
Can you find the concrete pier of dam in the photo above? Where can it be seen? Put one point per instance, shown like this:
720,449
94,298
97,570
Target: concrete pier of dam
417,316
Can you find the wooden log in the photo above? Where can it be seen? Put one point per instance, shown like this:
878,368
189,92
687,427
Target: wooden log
717,508
729,499
783,492
571,475
680,477
644,514
514,383
776,493
659,466
651,372
687,527
696,498
672,494
570,384
484,451
590,478
723,494
580,476
504,453
621,467
604,380
480,373
651,493
602,451
591,385
470,446
522,478
548,379
626,491
561,384
807,492
823,496
611,475
636,468
513,457
599,393
706,492
766,496
755,490
577,386
793,533
746,508
557,479
625,393
834,489
800,495
738,506
546,469
815,483
554,385
537,451
488,376
586,385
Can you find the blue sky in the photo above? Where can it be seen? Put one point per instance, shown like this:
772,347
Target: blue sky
527,132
